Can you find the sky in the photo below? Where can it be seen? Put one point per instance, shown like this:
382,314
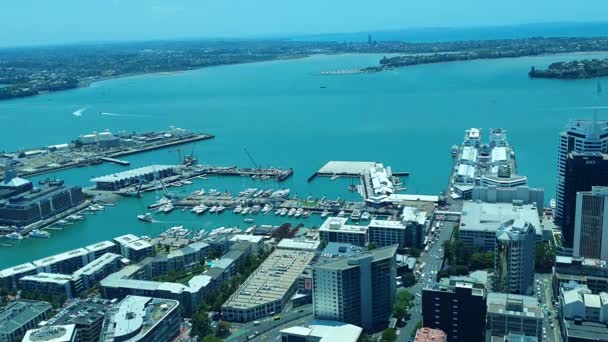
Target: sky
32,22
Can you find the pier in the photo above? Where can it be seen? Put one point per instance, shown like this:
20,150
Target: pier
269,173
115,161
91,149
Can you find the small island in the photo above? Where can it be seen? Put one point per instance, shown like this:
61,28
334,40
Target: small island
573,70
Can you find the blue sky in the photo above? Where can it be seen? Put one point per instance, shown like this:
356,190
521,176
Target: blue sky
25,22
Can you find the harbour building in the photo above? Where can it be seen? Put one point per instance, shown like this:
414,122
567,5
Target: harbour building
335,229
591,224
146,174
133,247
21,204
138,318
578,136
514,258
508,313
456,307
569,271
268,289
358,290
583,171
21,315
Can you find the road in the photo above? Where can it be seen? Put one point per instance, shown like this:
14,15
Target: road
433,260
269,329
544,292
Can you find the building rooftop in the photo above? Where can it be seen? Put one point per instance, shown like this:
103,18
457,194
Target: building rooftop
299,244
55,278
513,305
19,269
590,331
483,216
115,177
100,246
80,252
136,315
247,237
96,264
376,254
56,333
339,224
18,313
271,280
387,224
326,331
429,335
81,312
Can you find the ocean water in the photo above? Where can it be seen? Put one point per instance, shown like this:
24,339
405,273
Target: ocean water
287,116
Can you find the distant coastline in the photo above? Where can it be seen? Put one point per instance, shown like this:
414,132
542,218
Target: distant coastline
587,68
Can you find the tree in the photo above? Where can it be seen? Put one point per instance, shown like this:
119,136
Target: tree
414,252
200,324
371,246
545,257
408,279
223,329
389,335
211,338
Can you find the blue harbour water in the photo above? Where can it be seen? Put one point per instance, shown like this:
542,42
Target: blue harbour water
287,116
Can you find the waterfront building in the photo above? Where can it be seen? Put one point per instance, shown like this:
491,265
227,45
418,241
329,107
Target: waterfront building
10,276
90,275
19,316
456,307
138,318
322,331
98,249
21,204
591,224
514,257
56,333
63,263
133,247
578,136
582,172
136,279
335,229
59,284
508,313
125,179
268,289
87,316
358,290
480,222
430,335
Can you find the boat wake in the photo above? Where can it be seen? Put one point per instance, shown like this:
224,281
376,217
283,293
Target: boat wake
121,114
80,111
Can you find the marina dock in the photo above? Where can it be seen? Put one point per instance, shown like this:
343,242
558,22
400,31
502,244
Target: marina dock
115,161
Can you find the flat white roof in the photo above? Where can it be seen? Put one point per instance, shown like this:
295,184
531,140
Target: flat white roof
247,237
99,246
412,197
483,216
327,331
474,133
499,154
131,173
299,244
55,278
76,253
347,167
11,271
339,224
386,224
56,333
469,154
466,170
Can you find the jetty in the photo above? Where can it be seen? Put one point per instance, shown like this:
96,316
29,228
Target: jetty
115,161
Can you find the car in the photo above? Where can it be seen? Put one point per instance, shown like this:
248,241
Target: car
397,332
256,323
276,318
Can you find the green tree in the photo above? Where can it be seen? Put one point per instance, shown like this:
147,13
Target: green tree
545,257
223,329
371,246
211,338
408,279
389,335
414,252
201,324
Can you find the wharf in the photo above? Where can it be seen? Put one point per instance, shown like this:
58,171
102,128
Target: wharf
352,169
50,160
115,161
269,173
